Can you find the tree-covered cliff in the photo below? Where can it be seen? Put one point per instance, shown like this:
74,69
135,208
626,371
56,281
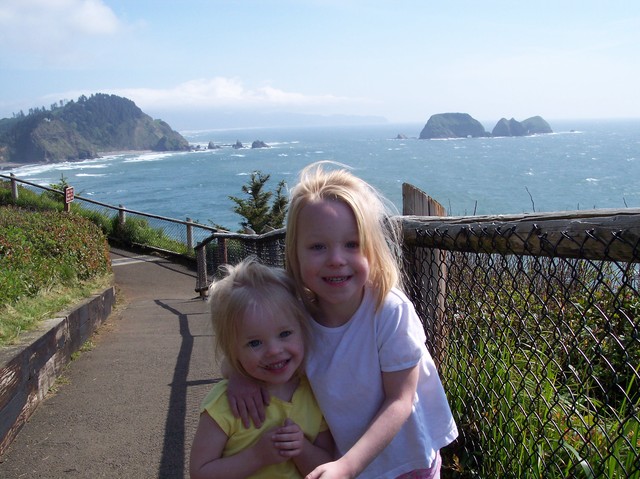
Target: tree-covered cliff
80,129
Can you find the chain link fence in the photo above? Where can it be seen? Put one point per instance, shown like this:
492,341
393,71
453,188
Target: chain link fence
534,322
231,248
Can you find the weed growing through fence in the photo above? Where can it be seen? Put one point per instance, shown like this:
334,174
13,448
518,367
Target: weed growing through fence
137,231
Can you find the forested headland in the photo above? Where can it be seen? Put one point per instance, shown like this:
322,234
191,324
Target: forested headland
79,130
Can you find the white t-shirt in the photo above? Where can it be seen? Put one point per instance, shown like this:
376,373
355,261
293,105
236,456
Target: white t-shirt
344,367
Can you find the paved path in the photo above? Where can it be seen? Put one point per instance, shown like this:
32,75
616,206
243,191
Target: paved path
128,407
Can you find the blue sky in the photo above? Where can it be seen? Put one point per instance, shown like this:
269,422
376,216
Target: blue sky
403,60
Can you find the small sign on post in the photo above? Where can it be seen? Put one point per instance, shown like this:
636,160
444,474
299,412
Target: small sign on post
68,197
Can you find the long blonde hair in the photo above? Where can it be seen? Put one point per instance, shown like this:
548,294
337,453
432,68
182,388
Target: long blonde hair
378,233
248,285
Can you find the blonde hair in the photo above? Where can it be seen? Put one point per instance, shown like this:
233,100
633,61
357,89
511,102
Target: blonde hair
249,285
378,233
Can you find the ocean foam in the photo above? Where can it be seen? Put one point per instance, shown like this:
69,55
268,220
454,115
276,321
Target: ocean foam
148,157
38,169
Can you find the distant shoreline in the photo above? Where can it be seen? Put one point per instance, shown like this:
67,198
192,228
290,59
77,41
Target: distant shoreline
10,165
125,152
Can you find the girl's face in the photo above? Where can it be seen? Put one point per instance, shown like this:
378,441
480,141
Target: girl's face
270,346
331,262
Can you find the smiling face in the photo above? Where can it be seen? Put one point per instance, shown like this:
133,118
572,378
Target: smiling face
270,345
331,261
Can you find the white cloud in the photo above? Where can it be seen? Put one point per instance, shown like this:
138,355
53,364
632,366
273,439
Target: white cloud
93,18
47,28
224,92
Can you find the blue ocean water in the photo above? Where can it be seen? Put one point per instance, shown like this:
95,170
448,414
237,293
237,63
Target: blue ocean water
582,165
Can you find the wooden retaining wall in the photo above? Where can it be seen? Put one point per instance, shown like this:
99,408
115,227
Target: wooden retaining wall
29,369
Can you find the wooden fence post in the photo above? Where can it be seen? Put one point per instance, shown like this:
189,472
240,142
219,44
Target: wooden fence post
428,273
122,216
14,187
202,281
223,257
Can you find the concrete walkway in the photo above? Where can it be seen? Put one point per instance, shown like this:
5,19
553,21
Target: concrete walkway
128,407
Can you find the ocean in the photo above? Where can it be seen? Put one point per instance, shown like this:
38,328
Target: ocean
582,165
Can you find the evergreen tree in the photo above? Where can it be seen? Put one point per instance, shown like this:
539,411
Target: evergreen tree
258,214
279,206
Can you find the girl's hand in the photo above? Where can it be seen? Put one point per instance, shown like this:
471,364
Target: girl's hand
331,470
265,449
247,400
288,439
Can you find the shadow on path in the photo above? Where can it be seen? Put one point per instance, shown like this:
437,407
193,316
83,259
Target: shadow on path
172,463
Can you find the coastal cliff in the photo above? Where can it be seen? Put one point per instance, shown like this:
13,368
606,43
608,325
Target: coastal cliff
80,129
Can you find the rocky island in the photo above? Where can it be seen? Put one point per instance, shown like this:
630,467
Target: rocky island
463,125
452,125
79,130
535,125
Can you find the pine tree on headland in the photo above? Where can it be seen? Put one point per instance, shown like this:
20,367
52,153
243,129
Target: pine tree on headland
258,214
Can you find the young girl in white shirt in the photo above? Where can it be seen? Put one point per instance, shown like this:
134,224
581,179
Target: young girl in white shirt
375,381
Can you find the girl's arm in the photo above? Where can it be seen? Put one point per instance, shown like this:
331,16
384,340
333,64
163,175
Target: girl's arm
399,388
324,451
206,461
247,399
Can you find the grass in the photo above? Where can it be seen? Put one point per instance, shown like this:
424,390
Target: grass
525,420
25,314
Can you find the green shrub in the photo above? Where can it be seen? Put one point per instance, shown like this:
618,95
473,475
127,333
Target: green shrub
39,250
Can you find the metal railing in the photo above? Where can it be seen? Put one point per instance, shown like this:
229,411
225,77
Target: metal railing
134,228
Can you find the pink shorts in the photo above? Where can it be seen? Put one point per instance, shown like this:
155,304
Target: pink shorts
432,473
